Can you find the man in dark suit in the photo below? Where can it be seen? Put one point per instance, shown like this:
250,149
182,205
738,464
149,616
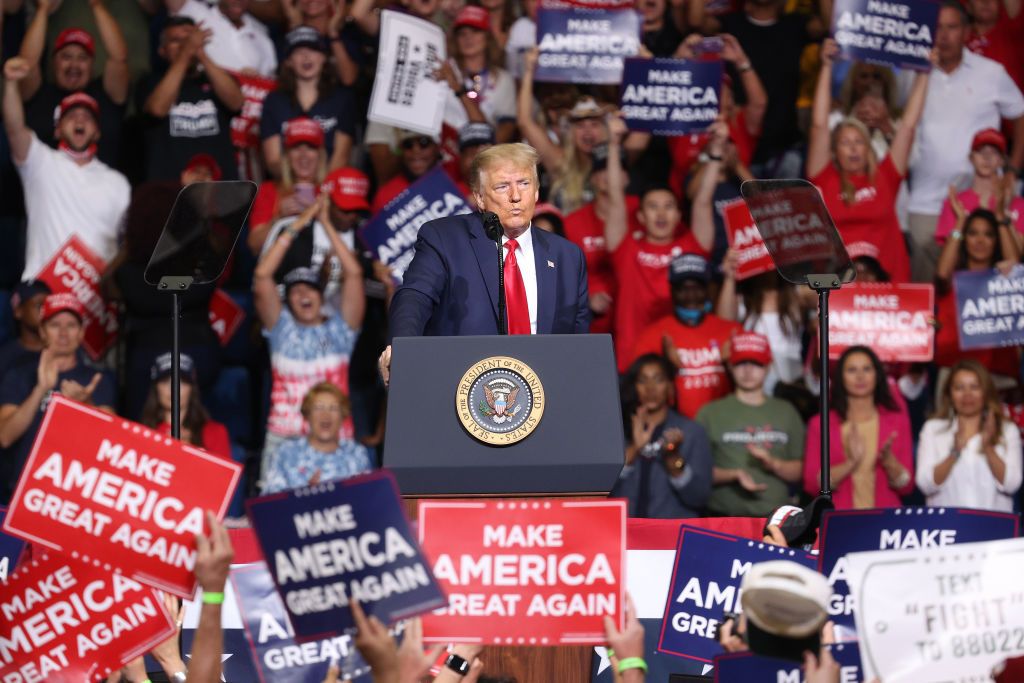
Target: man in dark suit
451,286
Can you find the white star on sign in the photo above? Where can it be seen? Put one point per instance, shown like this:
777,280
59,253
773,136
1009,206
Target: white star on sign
223,658
605,662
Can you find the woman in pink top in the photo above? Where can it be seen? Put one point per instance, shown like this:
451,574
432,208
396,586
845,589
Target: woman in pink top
990,188
870,451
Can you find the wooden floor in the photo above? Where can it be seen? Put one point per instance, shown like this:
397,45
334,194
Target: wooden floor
539,664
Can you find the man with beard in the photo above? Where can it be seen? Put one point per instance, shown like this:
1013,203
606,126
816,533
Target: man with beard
68,191
73,55
189,107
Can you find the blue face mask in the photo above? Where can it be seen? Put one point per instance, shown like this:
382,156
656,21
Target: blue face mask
690,316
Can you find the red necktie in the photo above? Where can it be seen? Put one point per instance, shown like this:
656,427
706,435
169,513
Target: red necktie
515,293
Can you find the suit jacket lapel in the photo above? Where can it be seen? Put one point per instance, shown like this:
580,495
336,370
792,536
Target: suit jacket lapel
546,281
486,257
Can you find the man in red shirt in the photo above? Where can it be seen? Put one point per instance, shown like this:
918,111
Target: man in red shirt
691,337
996,32
641,261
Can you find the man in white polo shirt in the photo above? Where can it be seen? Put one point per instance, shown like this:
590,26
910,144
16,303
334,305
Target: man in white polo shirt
239,43
68,191
966,93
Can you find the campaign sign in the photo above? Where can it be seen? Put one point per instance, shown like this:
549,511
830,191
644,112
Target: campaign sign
746,666
405,92
278,658
848,531
587,4
585,45
939,614
391,234
894,320
10,550
525,572
67,620
988,308
245,127
795,227
225,316
670,96
752,255
898,33
709,568
98,486
339,540
77,269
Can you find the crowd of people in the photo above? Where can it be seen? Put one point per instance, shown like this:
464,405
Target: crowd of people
109,109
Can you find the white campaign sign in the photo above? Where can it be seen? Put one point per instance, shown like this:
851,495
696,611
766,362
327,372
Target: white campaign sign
405,93
938,614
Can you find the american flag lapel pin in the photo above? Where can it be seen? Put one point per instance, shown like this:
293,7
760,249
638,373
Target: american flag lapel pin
551,264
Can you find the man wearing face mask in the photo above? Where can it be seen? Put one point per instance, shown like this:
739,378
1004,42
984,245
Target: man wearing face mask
68,191
692,337
74,53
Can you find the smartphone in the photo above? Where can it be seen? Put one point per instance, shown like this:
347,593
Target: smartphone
705,46
305,193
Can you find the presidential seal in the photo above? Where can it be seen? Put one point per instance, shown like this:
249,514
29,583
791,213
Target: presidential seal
499,400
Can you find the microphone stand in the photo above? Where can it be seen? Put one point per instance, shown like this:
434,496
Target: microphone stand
494,230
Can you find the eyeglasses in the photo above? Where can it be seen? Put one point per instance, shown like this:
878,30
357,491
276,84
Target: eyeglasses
422,142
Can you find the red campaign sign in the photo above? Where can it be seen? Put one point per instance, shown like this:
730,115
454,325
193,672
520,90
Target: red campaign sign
225,316
76,269
525,572
101,486
66,620
245,128
753,256
894,320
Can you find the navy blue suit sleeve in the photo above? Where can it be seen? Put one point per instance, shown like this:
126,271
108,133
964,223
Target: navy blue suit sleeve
583,295
422,286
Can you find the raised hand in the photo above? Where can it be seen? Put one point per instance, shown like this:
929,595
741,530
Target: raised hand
374,643
642,430
628,642
16,68
213,559
77,392
46,373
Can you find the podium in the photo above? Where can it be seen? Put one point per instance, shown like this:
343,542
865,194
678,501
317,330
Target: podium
507,416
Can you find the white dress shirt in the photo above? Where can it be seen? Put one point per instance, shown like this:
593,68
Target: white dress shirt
231,47
971,483
974,96
528,269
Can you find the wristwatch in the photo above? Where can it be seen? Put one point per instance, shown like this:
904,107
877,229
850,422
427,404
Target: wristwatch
457,664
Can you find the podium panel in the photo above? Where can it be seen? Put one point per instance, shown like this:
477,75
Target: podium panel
558,431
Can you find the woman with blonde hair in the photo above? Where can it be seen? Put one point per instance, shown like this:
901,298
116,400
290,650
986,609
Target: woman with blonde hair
567,162
969,454
858,188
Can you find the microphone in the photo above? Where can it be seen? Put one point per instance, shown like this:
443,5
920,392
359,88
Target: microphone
492,226
494,230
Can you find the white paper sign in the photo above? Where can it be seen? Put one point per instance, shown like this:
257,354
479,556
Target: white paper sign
405,92
941,614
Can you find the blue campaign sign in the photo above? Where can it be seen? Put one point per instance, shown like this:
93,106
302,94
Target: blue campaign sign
670,96
850,531
342,540
746,666
706,581
988,306
391,234
10,549
278,658
897,33
585,45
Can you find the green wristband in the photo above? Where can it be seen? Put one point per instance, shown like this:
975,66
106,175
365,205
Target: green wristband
213,598
632,663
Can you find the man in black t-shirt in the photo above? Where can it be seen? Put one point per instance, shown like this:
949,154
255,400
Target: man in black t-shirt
73,54
774,42
27,387
188,110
